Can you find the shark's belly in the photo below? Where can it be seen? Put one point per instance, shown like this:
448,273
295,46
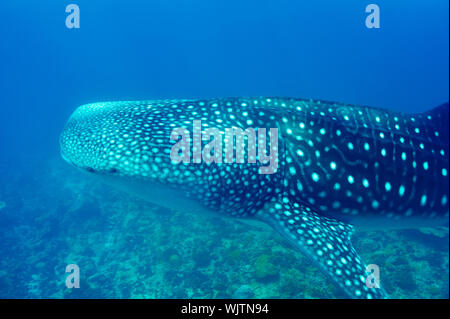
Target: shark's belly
157,193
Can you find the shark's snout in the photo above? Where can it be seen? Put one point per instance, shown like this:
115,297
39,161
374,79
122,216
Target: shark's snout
115,138
83,140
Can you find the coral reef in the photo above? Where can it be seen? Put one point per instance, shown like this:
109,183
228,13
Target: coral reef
265,270
440,232
128,248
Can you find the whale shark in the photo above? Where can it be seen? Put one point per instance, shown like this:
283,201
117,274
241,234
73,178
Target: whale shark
339,168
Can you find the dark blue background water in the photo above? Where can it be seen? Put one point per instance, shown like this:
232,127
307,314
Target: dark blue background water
130,50
176,49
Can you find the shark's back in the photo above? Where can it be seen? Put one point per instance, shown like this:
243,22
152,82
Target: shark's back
351,161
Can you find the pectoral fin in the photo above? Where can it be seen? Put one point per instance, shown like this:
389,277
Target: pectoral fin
326,241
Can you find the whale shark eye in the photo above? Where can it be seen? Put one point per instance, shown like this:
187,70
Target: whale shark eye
113,171
89,169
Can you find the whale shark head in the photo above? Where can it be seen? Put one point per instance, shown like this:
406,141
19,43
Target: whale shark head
103,138
126,144
131,145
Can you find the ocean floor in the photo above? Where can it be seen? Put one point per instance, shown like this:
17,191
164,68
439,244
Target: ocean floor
128,248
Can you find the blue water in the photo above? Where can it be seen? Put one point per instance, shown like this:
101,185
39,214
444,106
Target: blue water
52,215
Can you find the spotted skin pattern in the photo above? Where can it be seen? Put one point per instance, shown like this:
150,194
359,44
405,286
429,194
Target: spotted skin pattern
337,165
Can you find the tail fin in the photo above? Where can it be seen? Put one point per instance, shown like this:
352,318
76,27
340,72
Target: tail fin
439,117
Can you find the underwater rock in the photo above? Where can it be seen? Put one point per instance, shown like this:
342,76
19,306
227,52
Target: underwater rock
198,279
440,232
403,278
265,271
291,283
175,260
243,292
201,258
